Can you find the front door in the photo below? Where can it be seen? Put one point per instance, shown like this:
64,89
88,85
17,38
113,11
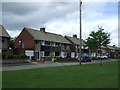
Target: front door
37,55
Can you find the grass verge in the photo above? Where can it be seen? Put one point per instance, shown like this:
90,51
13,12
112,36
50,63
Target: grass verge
85,76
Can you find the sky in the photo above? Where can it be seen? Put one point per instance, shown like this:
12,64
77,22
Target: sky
61,17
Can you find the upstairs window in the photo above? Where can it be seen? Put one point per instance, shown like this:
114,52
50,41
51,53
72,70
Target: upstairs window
57,44
67,47
42,42
47,43
3,41
20,42
37,42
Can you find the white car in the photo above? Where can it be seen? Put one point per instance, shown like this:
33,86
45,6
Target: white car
103,57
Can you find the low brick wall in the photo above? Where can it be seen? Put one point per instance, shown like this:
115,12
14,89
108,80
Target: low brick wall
64,60
12,61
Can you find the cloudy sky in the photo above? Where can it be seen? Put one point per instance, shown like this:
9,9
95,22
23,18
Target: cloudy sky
61,17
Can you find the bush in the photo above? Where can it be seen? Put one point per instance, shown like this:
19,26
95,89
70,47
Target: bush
0,55
94,58
4,56
59,58
15,57
112,54
22,56
10,56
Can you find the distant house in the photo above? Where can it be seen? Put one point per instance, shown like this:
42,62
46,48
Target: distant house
4,39
75,46
39,44
108,50
113,50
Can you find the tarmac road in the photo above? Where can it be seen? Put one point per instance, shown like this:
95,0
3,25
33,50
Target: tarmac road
9,67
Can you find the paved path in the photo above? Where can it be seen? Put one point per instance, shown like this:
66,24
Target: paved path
46,64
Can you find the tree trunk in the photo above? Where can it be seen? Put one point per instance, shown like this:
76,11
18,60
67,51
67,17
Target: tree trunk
100,58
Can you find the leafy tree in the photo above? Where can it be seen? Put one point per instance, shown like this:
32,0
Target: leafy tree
98,39
12,44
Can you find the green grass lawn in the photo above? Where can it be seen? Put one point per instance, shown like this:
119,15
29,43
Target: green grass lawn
85,76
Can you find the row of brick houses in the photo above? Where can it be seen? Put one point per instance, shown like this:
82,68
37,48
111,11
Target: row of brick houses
44,45
39,44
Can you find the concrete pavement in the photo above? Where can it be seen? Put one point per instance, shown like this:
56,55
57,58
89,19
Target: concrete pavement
46,64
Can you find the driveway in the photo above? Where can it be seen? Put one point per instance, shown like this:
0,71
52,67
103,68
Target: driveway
45,64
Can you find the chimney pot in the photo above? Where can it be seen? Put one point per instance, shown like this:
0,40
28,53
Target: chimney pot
42,29
75,36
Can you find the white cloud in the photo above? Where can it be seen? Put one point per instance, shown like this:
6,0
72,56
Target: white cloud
14,33
59,0
110,26
64,19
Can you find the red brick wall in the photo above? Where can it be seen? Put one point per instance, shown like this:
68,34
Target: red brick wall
72,46
8,42
46,58
26,39
19,51
9,51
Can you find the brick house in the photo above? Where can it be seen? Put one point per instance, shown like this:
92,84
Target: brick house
113,49
4,39
39,44
105,50
75,43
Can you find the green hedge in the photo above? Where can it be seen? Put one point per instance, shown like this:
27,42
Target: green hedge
22,56
4,56
10,56
0,55
94,58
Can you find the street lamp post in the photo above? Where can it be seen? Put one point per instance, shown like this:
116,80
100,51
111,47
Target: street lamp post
80,34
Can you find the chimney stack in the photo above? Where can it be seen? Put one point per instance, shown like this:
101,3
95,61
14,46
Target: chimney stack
75,36
42,29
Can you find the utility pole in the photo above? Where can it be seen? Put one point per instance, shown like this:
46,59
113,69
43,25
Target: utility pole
80,35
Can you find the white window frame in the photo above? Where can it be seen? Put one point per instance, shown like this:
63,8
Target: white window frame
47,56
42,42
42,53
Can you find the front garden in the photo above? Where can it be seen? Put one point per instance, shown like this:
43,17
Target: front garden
11,59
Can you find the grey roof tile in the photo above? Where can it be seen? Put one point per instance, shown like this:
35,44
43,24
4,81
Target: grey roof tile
76,40
39,35
3,32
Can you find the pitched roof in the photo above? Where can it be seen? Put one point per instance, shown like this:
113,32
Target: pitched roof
110,47
3,32
39,35
76,40
103,46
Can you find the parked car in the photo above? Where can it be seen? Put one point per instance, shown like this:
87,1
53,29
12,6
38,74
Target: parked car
85,59
102,57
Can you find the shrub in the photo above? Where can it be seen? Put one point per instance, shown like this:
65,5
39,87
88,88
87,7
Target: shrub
0,55
10,56
94,58
59,58
22,56
112,54
4,56
15,57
